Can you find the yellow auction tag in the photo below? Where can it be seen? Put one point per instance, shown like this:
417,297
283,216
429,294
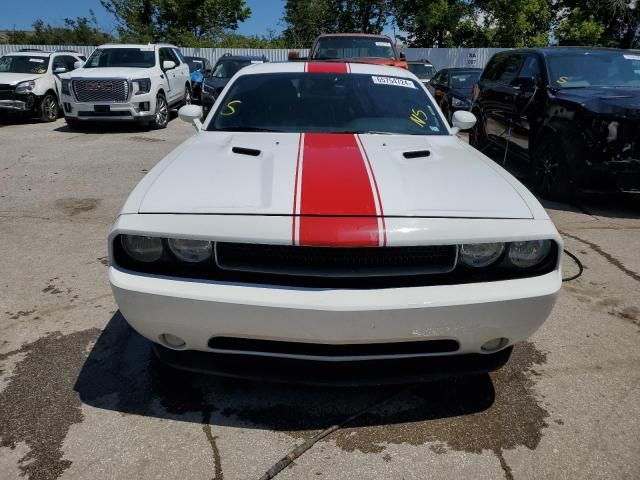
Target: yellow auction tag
419,117
230,109
562,80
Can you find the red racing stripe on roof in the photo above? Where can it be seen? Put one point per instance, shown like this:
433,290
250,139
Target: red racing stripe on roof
335,204
327,67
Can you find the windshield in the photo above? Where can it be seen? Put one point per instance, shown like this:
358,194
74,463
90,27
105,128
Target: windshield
228,68
195,64
333,48
422,70
23,64
121,57
327,103
594,69
463,80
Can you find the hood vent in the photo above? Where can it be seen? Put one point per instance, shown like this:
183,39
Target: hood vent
417,154
246,151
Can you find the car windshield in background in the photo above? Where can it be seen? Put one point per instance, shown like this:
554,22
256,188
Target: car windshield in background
228,68
23,64
463,80
421,70
327,103
599,68
121,57
195,65
335,48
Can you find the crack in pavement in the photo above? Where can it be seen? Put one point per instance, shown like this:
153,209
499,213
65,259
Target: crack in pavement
607,256
206,428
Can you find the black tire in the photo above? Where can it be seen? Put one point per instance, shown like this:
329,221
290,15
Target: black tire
447,112
551,168
161,117
48,108
478,136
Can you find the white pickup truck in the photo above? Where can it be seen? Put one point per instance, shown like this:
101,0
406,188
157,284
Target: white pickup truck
30,81
127,83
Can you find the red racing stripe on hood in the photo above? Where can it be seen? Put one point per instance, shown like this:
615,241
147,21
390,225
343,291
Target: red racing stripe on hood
336,201
327,67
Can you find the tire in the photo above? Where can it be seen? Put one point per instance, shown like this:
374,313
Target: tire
478,136
161,118
551,168
48,109
447,113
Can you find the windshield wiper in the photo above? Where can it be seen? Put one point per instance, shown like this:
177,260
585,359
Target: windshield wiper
247,129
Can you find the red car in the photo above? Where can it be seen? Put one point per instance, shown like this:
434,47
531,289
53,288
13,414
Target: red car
357,47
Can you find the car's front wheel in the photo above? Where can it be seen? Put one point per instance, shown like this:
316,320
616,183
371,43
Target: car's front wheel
48,108
550,171
161,117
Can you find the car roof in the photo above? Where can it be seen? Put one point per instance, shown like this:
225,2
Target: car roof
242,57
33,53
352,67
567,49
369,35
137,45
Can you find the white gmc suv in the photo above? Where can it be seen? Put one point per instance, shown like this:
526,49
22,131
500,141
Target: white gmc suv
30,81
127,82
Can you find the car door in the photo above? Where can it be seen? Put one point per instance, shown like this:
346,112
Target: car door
173,91
59,62
441,86
527,102
182,70
499,95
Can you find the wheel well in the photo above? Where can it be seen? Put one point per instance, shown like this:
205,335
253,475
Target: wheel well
161,92
50,92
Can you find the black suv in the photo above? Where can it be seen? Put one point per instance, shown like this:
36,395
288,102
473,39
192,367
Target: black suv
572,113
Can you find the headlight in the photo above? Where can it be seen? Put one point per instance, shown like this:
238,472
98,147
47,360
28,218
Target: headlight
144,85
190,251
25,87
142,249
529,254
66,87
479,255
458,102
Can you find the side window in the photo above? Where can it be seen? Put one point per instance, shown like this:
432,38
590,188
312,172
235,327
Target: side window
444,79
58,62
69,62
531,68
178,54
491,70
165,55
510,69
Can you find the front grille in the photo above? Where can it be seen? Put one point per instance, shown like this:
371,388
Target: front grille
101,90
5,87
423,347
335,262
119,113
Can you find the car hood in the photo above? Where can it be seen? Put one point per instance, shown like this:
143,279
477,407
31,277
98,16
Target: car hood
15,78
623,102
334,175
110,72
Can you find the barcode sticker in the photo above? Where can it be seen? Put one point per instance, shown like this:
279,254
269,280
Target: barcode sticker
396,82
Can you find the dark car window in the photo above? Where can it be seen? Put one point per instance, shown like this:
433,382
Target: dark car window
122,57
178,53
531,67
421,70
166,54
595,68
503,68
23,64
464,80
327,103
227,68
64,61
333,48
444,79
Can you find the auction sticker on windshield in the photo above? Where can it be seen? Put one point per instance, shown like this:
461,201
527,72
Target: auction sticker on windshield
397,82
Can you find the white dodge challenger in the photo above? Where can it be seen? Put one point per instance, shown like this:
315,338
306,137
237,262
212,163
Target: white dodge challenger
326,216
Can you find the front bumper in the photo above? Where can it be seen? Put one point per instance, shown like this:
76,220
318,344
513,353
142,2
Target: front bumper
621,176
197,311
138,108
17,102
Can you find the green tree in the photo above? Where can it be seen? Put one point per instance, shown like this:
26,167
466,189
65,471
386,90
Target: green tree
78,31
185,22
306,19
612,23
517,23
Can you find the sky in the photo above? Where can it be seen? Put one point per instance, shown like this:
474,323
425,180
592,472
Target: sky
266,14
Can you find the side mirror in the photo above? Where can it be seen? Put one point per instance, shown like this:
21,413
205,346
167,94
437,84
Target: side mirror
168,64
78,65
191,114
463,120
403,57
59,70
